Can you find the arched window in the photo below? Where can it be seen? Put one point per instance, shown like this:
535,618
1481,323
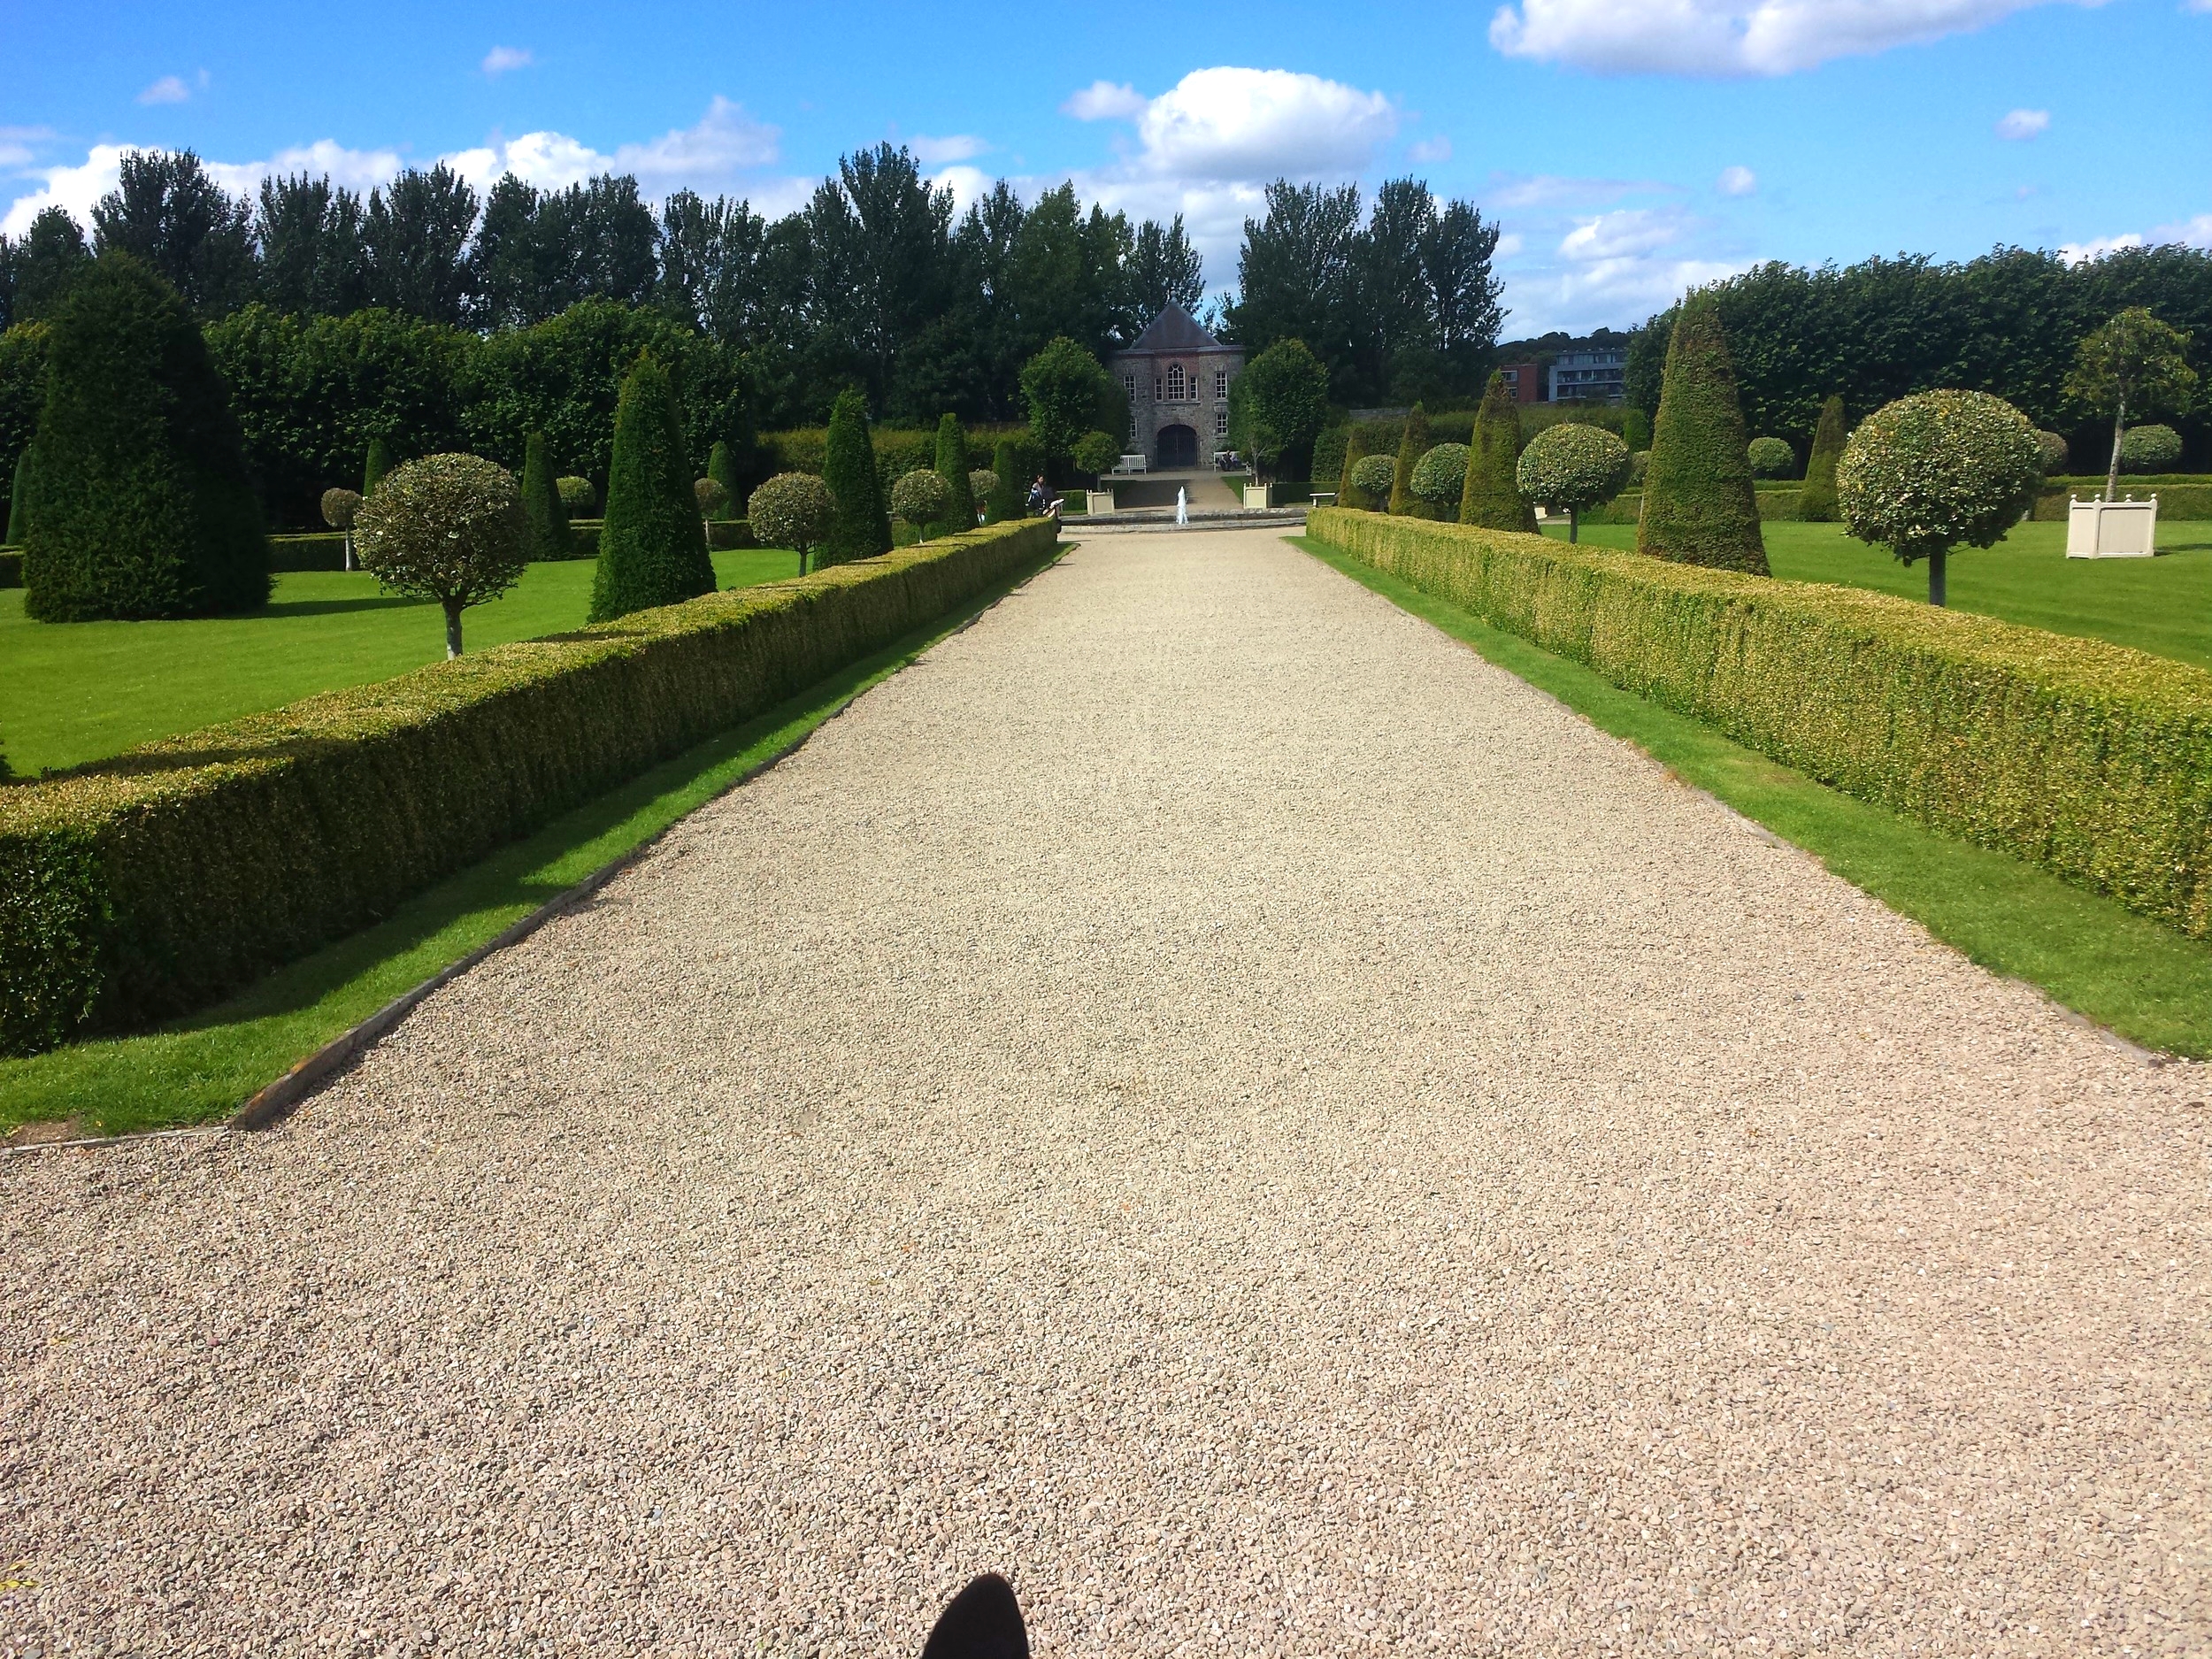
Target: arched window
1174,382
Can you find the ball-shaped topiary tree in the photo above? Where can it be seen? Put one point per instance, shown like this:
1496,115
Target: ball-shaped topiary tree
2056,452
2156,449
1095,452
982,482
1372,475
577,496
339,508
1440,475
1771,457
791,509
921,497
1929,472
1573,467
710,493
448,527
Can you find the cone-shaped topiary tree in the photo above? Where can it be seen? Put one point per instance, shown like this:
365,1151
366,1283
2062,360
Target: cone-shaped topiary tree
1699,507
542,502
1411,447
372,469
1816,502
1348,494
1004,503
862,528
652,548
19,500
722,471
1493,495
952,466
144,508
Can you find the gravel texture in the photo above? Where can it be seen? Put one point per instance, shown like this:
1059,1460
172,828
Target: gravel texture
1207,1097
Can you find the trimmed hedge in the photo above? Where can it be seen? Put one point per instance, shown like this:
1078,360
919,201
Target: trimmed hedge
11,568
157,883
2089,759
2174,501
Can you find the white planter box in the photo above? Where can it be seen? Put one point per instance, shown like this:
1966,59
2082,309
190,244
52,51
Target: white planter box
2098,529
1257,495
1101,499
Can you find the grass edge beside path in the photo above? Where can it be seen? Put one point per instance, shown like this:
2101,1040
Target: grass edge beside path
202,1068
2124,971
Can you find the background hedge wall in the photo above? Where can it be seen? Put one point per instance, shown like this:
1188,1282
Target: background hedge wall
2088,758
157,883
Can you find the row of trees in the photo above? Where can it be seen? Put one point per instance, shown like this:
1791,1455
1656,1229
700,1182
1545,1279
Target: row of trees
874,282
2010,324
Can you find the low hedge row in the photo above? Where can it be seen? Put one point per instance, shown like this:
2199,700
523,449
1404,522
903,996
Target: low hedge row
151,884
2089,759
12,567
1775,502
2174,501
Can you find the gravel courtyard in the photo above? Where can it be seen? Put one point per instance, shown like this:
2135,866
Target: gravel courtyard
1206,1097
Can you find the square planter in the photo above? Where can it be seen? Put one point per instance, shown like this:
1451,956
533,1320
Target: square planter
1258,497
2097,529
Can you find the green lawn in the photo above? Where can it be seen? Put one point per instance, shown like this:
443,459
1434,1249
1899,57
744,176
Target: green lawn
203,1067
2123,971
2162,605
79,691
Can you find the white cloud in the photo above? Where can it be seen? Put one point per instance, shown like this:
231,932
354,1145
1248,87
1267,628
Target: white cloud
725,144
2020,123
2198,5
1437,149
1624,232
1103,100
1729,37
1510,244
936,152
1549,189
2196,233
719,153
1738,182
2080,252
168,89
500,59
1228,124
968,185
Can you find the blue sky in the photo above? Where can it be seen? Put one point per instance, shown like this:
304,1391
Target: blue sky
1627,147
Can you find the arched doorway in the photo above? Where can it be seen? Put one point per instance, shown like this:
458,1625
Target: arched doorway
1179,448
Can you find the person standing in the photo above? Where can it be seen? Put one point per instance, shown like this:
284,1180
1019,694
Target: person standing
1182,504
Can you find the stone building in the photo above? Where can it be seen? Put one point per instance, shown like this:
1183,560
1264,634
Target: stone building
1178,377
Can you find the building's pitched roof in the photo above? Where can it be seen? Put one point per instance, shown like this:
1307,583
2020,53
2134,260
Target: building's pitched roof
1175,329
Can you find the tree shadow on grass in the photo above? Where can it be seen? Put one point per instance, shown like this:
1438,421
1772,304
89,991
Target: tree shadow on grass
289,610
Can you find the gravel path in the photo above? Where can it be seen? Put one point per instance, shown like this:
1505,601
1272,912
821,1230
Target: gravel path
1203,1095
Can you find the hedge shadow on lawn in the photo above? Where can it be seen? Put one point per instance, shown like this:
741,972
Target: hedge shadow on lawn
285,610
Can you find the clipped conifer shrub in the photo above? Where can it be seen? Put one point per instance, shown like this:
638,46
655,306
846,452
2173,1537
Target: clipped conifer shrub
2089,759
1699,507
144,508
1771,457
862,528
1348,492
1004,503
1412,445
722,471
120,883
548,537
1816,502
652,548
952,466
372,469
1492,498
2153,449
1440,475
19,500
